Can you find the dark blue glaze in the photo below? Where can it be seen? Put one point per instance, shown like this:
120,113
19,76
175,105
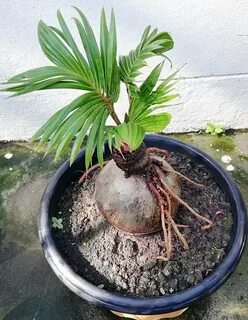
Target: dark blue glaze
144,306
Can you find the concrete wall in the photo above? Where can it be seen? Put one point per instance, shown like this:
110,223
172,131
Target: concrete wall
211,37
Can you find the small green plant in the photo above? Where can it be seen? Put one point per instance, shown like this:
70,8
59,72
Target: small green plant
57,223
97,74
214,129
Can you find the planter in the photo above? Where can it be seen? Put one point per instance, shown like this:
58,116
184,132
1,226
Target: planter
175,303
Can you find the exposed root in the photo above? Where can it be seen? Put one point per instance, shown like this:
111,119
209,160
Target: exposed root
169,221
167,168
180,235
196,184
154,190
163,258
168,213
182,226
160,201
172,222
167,235
218,213
163,153
200,217
90,170
163,194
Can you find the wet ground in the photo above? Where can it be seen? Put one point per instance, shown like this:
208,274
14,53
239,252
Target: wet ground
28,287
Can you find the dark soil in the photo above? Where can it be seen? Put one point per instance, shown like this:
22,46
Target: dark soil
122,263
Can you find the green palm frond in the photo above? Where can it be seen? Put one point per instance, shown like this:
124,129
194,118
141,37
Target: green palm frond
150,98
129,133
96,72
152,44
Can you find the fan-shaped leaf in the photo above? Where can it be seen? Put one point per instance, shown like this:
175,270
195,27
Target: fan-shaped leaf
101,137
82,133
92,138
96,70
71,42
155,123
58,136
77,125
55,50
50,127
104,40
131,133
91,48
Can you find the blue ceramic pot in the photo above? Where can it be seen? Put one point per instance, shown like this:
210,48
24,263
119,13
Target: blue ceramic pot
144,306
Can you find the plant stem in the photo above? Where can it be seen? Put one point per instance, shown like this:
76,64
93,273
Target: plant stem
112,112
129,95
115,117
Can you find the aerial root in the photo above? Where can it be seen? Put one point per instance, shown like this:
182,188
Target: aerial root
90,170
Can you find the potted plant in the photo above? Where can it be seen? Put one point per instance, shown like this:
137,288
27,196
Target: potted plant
176,220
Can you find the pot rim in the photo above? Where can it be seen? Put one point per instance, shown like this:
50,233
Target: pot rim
157,305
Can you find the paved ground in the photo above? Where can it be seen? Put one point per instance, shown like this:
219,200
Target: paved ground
29,289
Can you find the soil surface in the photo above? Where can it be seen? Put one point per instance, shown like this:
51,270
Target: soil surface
126,264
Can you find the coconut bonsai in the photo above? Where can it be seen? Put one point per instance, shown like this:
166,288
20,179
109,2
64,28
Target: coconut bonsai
132,166
101,76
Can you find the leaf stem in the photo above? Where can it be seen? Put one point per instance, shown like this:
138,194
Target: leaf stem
129,94
115,117
112,112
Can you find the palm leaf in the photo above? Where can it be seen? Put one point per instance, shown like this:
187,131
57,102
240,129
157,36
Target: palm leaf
91,48
92,138
96,70
98,73
55,50
90,110
155,123
104,40
108,43
150,82
83,116
149,98
82,133
131,134
151,44
67,36
53,124
101,137
112,49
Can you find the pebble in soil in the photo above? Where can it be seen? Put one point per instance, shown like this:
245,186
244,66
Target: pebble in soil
127,264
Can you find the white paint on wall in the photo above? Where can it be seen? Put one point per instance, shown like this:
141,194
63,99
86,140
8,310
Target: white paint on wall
211,37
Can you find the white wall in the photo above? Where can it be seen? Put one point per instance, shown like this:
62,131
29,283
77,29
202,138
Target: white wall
210,36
